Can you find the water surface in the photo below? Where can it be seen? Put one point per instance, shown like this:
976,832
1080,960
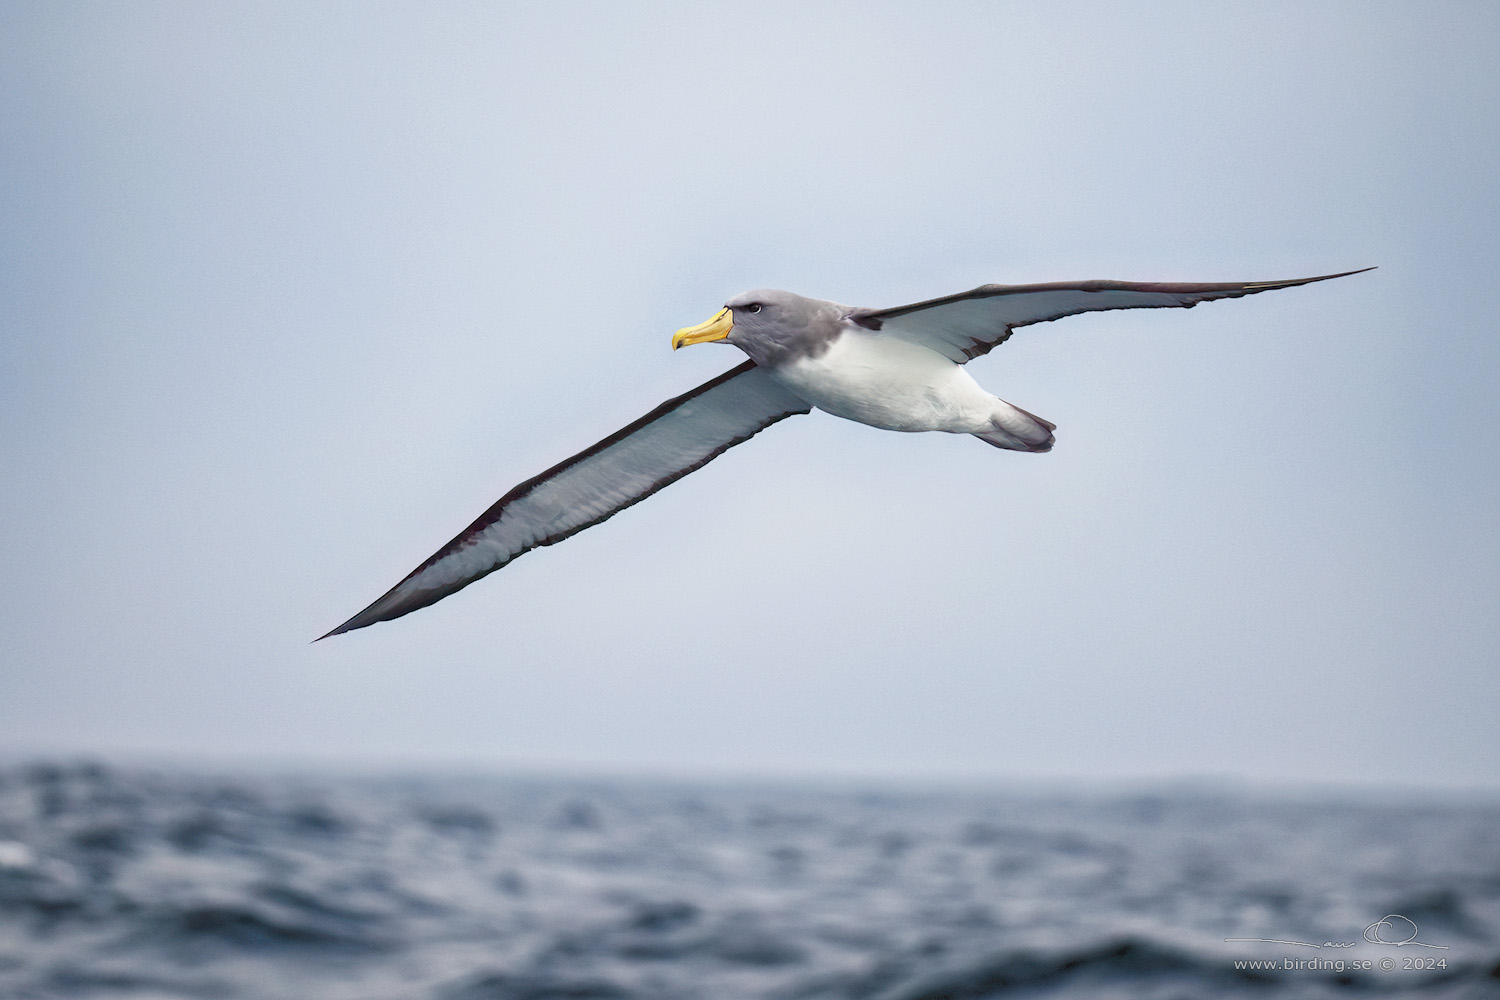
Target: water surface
128,884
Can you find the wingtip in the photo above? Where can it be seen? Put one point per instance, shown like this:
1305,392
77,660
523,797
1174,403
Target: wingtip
369,616
1343,274
364,618
1291,282
396,602
338,631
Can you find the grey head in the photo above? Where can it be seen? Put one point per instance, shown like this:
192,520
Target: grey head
775,327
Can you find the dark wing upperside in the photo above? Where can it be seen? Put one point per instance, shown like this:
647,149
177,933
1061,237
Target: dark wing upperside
678,437
964,326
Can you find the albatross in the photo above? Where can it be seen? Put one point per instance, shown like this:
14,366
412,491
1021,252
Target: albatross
900,369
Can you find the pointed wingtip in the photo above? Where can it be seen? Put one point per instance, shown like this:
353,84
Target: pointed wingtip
346,627
369,616
399,600
377,612
1262,286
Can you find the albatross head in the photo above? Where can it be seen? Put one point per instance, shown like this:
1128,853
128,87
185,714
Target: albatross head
771,326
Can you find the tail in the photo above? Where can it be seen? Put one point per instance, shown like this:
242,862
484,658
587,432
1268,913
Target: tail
1014,429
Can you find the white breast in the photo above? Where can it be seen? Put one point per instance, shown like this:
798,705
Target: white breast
891,383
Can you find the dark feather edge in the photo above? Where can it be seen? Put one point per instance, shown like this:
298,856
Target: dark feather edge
496,509
874,319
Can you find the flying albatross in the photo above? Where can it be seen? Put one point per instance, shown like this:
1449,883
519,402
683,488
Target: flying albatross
900,369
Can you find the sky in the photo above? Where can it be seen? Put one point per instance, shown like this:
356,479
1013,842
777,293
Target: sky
293,292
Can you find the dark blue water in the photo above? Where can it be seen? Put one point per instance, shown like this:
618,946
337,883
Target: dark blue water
132,884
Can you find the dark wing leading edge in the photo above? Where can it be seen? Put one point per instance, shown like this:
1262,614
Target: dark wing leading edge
678,437
964,326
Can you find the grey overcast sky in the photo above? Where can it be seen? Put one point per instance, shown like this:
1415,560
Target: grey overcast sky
292,292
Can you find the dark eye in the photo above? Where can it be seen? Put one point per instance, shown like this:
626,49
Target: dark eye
753,307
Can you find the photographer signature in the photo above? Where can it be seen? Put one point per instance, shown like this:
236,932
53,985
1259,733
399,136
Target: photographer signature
1392,929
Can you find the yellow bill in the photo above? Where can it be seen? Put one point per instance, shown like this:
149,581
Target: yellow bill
715,329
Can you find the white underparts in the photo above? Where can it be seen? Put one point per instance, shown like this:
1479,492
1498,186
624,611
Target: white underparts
894,384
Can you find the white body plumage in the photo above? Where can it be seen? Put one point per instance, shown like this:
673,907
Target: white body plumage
891,383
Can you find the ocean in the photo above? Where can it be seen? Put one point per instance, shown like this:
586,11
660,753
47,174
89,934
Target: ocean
130,883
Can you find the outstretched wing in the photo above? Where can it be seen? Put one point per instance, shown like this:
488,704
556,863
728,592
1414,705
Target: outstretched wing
677,437
964,326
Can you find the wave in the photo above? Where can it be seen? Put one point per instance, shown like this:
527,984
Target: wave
134,884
